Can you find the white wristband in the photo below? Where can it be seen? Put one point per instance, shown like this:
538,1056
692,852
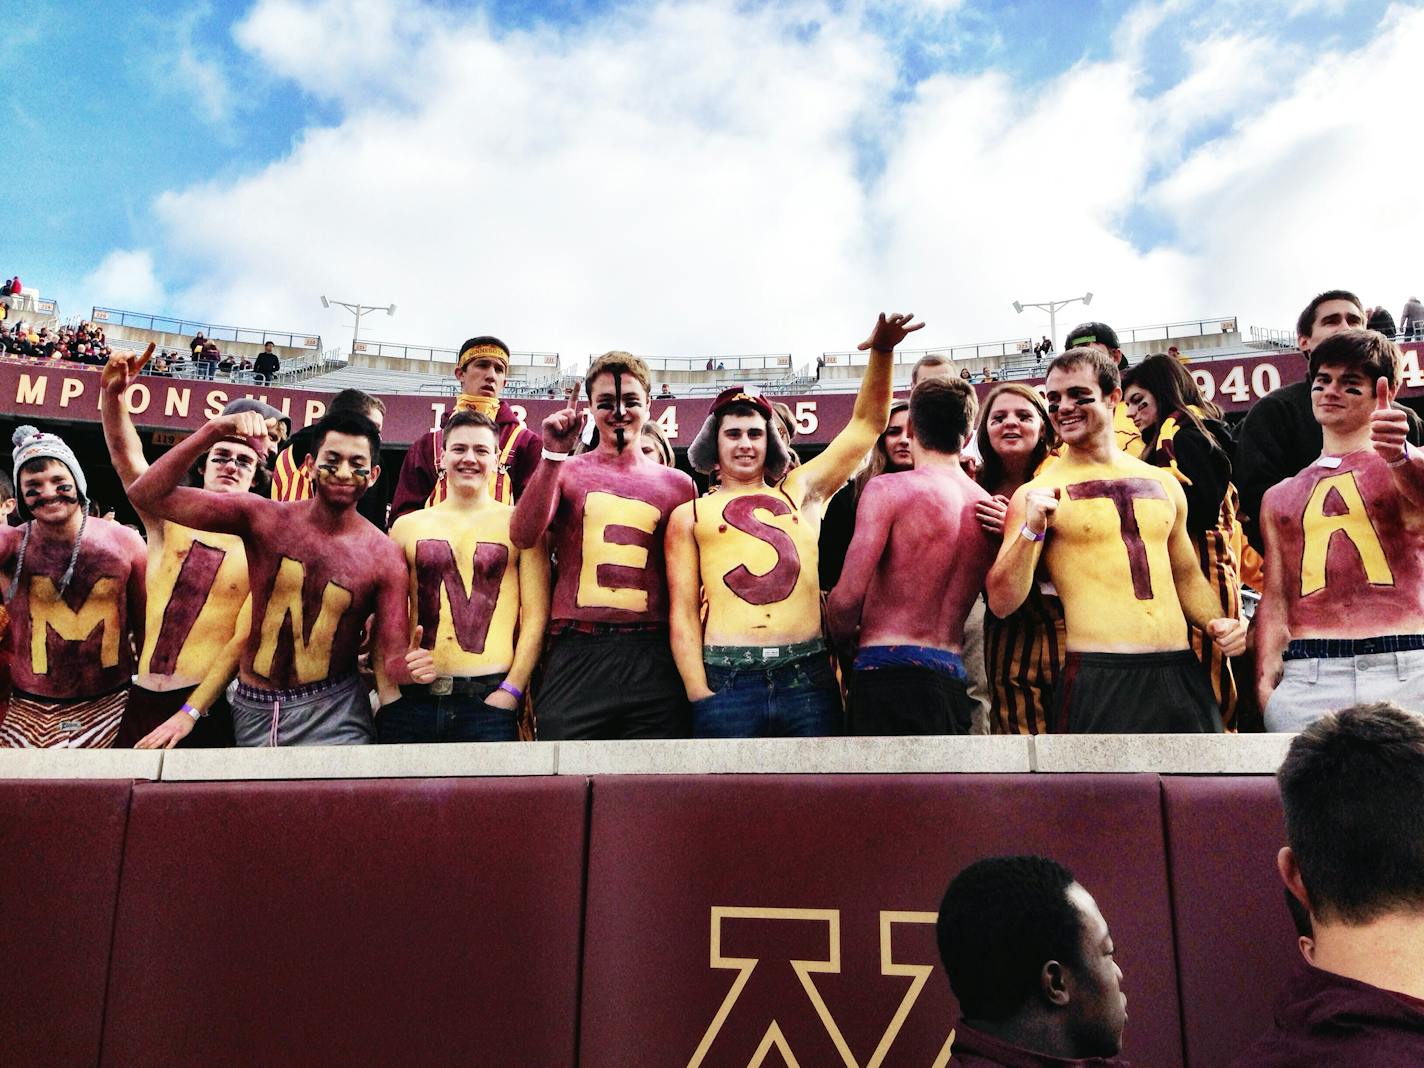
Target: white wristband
1408,455
556,457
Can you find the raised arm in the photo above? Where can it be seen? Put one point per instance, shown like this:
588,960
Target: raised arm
867,545
540,500
684,573
119,434
829,471
1031,511
1200,603
160,492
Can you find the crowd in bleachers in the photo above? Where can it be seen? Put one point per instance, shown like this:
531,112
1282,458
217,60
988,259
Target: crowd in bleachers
82,343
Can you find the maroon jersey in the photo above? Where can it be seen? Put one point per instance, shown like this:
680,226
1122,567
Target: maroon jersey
608,540
1353,549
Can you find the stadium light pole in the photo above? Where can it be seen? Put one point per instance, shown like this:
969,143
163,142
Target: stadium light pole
357,310
1053,307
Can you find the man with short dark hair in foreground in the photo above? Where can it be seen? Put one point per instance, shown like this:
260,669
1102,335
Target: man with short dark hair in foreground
1030,959
1353,790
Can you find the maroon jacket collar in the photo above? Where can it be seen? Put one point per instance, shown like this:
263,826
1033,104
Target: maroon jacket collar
975,1049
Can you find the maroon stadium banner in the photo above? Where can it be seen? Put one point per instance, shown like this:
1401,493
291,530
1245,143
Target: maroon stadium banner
71,394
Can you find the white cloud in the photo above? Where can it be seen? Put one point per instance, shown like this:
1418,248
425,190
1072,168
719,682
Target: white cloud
125,279
188,71
689,178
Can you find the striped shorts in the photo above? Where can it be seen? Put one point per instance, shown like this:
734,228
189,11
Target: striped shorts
34,722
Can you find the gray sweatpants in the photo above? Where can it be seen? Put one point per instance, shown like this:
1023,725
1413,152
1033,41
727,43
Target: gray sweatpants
338,713
1311,688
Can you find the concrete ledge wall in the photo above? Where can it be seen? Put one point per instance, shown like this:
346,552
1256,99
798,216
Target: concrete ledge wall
1229,754
613,887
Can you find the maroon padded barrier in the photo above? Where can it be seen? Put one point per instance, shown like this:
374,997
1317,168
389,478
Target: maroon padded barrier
61,845
817,895
1235,940
416,921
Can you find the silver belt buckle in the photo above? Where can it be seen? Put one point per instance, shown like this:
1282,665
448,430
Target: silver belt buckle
443,686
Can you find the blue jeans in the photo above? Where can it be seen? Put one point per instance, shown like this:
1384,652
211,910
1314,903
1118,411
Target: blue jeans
799,699
420,717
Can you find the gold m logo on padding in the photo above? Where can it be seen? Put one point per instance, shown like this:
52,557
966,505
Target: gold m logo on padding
773,1037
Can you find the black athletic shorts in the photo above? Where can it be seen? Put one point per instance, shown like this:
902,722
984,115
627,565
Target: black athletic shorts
909,700
148,709
1134,693
609,686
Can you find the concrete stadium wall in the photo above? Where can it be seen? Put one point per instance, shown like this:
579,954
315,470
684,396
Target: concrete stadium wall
137,336
678,903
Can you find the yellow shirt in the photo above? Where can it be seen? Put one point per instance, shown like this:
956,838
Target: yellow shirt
197,582
464,585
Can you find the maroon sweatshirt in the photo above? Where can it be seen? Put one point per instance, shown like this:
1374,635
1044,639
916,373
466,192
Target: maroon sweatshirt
1324,1020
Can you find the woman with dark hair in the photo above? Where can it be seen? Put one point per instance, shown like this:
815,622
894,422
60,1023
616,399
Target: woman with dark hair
892,447
1184,432
1023,653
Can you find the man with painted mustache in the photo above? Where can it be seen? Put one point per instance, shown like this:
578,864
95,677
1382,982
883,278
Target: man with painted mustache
74,586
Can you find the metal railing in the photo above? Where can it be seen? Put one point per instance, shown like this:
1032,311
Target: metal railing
1277,339
1216,324
402,351
773,361
28,302
976,350
212,331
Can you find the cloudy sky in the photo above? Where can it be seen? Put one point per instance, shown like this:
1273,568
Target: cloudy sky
696,178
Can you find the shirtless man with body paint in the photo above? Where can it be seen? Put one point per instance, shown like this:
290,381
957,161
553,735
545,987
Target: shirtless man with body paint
478,603
608,670
317,571
758,666
1111,530
196,582
915,567
1344,596
74,587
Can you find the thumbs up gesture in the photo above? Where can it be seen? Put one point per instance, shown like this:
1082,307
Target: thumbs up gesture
1040,508
1229,635
420,663
1389,426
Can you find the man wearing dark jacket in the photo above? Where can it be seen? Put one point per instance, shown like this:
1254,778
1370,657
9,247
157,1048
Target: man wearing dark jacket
268,363
1280,437
480,369
1353,790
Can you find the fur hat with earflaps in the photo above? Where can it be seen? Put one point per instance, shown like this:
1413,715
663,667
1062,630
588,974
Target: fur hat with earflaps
702,453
